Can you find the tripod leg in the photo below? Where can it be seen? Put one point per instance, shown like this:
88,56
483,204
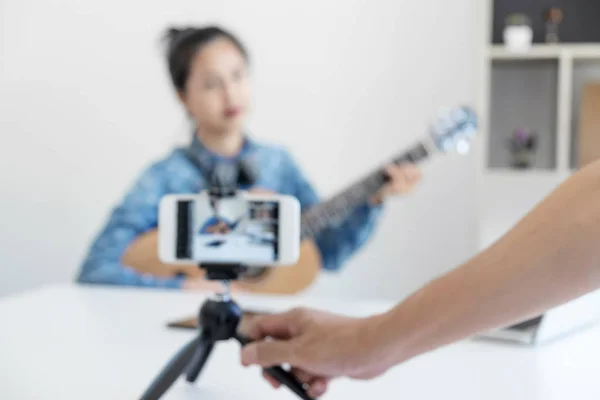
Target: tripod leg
282,376
171,371
205,347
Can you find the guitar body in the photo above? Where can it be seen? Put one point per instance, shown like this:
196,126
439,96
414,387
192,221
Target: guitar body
295,278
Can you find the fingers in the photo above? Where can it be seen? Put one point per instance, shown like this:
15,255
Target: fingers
317,385
413,173
274,382
280,326
403,177
304,376
267,353
284,329
408,172
260,190
200,284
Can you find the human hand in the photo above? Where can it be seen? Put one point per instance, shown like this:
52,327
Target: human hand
260,190
403,179
319,346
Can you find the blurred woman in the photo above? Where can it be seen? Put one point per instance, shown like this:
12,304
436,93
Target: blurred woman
209,69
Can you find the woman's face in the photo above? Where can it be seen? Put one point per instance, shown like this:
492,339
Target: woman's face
217,92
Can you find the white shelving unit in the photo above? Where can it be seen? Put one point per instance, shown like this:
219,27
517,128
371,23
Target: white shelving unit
539,87
565,51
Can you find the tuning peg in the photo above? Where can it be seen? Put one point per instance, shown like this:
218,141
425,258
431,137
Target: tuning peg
445,145
470,131
463,146
459,114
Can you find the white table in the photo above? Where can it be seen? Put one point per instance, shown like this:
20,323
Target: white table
69,342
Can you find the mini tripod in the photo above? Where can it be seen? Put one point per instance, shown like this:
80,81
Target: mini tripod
218,320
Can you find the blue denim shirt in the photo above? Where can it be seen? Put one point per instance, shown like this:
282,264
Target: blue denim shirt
180,172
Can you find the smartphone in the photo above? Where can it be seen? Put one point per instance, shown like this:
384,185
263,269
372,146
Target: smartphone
250,229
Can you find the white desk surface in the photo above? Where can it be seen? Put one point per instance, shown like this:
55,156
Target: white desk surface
69,342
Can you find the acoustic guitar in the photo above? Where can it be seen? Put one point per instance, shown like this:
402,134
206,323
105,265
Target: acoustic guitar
452,131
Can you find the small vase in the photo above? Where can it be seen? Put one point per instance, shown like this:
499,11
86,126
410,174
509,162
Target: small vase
518,38
522,159
551,32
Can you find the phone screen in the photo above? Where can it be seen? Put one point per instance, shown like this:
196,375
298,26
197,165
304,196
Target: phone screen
228,230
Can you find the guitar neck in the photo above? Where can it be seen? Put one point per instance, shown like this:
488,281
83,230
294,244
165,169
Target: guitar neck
338,208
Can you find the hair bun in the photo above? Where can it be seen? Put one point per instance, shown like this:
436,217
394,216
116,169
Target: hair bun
174,35
173,32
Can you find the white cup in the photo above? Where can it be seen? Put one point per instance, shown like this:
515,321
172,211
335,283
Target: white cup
518,38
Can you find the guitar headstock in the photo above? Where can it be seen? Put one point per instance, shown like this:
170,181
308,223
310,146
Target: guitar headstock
454,129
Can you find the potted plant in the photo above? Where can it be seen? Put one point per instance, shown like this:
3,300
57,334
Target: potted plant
522,144
518,33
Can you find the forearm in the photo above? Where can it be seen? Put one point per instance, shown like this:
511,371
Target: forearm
142,255
114,273
551,257
108,264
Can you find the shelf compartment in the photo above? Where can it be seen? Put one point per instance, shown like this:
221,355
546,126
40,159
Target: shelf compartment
580,22
584,72
523,94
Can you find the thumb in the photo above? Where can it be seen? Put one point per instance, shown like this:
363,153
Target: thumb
267,353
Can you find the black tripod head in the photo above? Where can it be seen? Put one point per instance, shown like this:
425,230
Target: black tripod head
224,272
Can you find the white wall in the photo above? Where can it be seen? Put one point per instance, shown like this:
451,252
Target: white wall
85,104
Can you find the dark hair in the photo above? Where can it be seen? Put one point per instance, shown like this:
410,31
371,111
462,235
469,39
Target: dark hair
184,43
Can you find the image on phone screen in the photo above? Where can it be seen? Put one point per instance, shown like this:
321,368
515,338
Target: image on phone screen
235,230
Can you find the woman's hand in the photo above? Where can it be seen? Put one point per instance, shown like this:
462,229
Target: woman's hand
200,283
403,179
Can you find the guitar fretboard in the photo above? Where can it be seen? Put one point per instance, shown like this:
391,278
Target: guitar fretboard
338,208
